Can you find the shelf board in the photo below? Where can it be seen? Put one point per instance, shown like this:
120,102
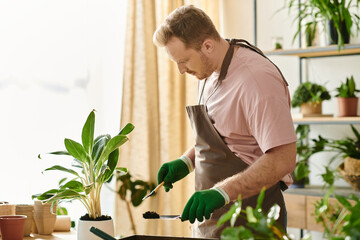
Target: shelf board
327,120
310,52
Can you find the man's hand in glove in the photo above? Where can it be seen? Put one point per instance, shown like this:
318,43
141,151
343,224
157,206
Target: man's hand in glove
171,172
202,203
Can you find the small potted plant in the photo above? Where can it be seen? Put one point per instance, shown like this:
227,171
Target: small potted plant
338,17
309,96
347,100
349,149
95,161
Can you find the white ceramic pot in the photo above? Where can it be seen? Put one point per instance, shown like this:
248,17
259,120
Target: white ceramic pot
83,229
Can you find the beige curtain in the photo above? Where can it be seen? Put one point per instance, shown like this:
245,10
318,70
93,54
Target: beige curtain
154,100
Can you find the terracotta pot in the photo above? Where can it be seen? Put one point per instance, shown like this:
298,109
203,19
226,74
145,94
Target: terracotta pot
83,232
352,166
6,209
311,108
12,227
44,217
347,107
27,210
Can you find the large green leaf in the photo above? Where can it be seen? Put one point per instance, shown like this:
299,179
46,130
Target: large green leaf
61,168
76,150
113,144
66,194
111,165
73,185
137,196
127,129
260,198
100,143
46,195
87,135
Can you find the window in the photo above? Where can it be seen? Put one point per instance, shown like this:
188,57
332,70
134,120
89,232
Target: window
59,60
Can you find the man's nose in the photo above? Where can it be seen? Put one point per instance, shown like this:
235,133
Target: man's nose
182,68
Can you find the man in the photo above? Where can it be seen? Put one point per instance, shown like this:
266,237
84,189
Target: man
244,134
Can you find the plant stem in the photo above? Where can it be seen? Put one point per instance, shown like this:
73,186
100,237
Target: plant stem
130,216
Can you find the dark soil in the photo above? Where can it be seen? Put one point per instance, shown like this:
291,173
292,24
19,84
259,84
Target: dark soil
101,218
150,215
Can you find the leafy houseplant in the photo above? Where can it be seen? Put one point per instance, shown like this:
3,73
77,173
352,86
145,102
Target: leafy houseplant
347,100
95,161
259,225
349,149
309,95
340,219
132,192
338,13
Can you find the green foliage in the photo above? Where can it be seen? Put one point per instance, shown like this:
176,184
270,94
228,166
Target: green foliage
309,92
305,150
95,162
341,220
348,147
259,225
347,89
313,12
133,190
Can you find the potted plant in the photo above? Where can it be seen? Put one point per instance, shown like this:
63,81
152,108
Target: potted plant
347,100
340,219
309,96
338,15
95,161
349,149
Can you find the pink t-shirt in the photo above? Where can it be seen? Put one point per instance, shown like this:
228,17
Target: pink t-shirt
251,107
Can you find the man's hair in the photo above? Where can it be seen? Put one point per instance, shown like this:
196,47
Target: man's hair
188,23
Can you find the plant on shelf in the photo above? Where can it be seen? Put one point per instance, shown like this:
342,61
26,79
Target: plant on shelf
349,149
309,96
340,219
132,192
347,100
95,161
338,17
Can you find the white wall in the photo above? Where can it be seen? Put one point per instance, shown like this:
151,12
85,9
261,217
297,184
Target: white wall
59,60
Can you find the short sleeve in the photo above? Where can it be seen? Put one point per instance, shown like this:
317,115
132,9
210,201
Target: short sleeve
271,123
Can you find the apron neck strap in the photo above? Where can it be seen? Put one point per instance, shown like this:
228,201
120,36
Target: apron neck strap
228,57
246,44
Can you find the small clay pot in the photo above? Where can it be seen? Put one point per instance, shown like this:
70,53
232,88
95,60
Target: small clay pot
26,209
12,227
44,217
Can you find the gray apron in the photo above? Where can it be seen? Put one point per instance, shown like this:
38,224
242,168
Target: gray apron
215,162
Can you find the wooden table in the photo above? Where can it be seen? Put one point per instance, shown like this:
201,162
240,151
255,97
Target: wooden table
54,236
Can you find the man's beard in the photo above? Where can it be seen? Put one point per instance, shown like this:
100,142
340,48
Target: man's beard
207,67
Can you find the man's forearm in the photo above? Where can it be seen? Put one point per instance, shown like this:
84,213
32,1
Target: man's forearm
190,153
265,172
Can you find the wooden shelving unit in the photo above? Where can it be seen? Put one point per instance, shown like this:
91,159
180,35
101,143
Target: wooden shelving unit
327,120
312,52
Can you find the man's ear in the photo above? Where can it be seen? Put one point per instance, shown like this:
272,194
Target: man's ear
207,46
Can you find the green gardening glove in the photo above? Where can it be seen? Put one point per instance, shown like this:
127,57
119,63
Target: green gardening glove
171,172
202,203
